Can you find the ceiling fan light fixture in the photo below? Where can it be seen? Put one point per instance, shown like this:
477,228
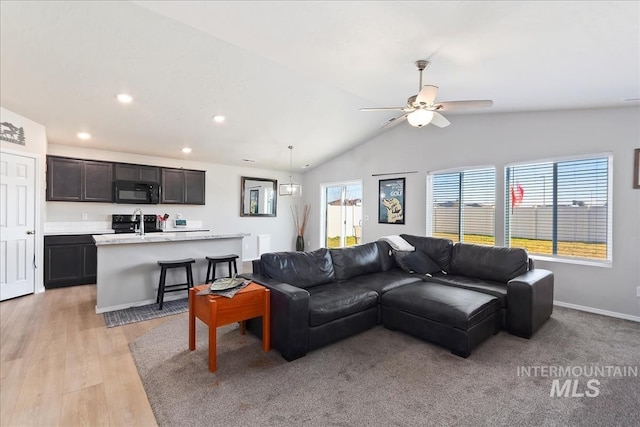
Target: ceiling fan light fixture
420,118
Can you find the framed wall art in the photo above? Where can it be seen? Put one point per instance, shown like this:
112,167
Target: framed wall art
636,168
391,203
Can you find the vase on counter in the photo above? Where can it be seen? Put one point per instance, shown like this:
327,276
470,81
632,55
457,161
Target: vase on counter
300,243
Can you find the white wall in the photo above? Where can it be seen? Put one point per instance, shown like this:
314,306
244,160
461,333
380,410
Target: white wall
36,145
499,139
220,214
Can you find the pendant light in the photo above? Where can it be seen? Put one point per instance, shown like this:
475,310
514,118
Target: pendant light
290,188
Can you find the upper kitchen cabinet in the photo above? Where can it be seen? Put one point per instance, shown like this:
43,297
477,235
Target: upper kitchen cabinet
194,187
136,173
76,180
183,186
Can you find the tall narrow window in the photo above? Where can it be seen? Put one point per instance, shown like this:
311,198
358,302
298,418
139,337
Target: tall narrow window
463,205
560,208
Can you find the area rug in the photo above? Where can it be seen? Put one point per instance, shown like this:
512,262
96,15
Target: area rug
145,312
385,378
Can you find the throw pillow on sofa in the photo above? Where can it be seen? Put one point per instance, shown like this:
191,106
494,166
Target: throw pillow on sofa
421,263
400,256
416,262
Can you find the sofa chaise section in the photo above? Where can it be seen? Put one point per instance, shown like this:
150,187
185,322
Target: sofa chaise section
525,293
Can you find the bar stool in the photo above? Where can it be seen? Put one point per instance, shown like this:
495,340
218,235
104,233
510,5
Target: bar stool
214,260
165,265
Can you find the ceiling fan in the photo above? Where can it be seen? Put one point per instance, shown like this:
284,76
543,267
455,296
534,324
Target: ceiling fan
421,109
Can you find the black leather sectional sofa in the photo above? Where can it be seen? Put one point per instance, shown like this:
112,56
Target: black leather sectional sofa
455,295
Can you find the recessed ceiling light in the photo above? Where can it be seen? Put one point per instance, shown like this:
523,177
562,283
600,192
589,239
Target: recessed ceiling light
84,135
218,118
125,98
186,150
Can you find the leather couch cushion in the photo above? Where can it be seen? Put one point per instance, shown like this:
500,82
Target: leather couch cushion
497,289
488,262
383,281
387,261
355,261
335,301
451,306
300,269
438,249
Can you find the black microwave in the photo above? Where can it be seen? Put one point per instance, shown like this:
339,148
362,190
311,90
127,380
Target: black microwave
136,192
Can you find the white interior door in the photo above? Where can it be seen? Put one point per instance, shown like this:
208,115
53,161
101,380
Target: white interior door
17,225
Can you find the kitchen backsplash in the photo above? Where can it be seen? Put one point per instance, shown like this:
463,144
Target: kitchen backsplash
77,226
98,227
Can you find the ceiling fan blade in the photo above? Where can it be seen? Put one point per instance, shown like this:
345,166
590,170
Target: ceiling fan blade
439,120
394,121
383,109
463,105
427,95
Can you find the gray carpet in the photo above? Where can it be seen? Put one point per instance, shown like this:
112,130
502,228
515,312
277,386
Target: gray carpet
385,378
145,312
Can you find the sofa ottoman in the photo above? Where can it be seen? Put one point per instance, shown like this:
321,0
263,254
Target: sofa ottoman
455,318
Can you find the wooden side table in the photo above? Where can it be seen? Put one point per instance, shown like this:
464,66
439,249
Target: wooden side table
216,310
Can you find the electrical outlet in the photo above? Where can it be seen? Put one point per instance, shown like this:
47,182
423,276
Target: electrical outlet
246,246
638,292
366,217
84,216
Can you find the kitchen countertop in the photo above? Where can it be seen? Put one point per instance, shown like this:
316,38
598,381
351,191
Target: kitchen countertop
125,239
178,230
76,232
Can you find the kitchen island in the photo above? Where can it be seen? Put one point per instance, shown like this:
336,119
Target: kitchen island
128,271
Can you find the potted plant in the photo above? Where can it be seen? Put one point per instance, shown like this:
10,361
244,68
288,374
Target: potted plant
300,223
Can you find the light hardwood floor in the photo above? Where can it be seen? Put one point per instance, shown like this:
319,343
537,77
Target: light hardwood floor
61,366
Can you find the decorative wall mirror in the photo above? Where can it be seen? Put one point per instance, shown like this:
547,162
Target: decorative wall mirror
258,196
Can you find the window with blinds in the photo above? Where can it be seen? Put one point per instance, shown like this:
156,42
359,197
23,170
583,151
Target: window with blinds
559,208
463,206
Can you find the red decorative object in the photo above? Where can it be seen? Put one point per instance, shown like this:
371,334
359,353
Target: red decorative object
517,194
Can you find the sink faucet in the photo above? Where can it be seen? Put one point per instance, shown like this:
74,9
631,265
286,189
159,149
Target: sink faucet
141,226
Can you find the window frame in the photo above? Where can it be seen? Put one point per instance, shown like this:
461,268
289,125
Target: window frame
430,197
608,262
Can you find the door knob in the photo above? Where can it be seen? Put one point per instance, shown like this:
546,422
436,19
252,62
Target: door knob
31,232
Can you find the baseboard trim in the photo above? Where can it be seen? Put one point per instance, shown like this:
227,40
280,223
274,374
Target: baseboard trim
137,303
598,311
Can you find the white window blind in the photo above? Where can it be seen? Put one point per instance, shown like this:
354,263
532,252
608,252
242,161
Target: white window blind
559,208
463,206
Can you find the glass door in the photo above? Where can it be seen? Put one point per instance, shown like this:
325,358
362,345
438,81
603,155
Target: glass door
342,214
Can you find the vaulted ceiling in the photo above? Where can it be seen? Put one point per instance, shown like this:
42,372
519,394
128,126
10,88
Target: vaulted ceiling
296,73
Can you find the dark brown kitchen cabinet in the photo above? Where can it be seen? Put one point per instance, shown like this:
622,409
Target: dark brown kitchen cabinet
172,186
64,179
194,187
136,173
77,180
69,260
183,186
97,181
